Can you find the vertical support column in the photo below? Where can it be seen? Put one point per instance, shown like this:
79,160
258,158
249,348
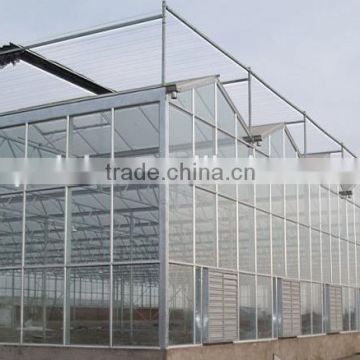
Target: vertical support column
23,247
164,229
249,99
193,222
67,242
305,135
111,287
163,44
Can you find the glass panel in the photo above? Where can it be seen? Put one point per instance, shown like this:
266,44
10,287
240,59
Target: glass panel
352,308
205,102
205,226
262,192
136,305
225,114
43,306
276,143
181,223
315,206
291,202
198,305
11,229
317,308
91,135
278,243
245,191
12,145
136,222
181,304
184,99
89,301
264,307
290,151
325,210
343,219
304,239
292,250
335,258
204,139
334,204
357,222
10,304
344,261
277,199
316,255
247,298
226,149
246,238
326,257
352,264
45,222
345,309
305,289
350,220
47,139
227,233
241,132
136,131
90,224
303,204
180,132
263,243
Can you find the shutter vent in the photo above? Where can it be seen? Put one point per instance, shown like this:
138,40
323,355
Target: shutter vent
335,308
220,306
291,325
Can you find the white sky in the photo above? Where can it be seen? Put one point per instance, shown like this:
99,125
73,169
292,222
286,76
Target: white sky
309,50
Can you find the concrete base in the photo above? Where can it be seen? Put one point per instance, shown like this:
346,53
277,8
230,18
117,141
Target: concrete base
329,347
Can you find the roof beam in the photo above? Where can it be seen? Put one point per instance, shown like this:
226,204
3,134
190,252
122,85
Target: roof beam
51,67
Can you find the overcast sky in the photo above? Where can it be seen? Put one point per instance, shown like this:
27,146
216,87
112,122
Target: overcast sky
309,50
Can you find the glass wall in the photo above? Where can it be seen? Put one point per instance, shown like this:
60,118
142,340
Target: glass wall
83,260
293,232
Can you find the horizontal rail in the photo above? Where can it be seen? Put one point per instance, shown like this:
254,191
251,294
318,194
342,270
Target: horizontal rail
88,33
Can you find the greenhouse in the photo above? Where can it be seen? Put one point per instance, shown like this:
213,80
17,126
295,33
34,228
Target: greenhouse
157,266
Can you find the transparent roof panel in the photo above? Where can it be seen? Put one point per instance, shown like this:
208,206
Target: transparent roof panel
120,59
23,86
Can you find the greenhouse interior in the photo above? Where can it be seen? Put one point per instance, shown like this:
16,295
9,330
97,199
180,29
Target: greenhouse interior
156,266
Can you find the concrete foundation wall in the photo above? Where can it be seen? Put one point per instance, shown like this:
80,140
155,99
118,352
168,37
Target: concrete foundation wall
329,347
